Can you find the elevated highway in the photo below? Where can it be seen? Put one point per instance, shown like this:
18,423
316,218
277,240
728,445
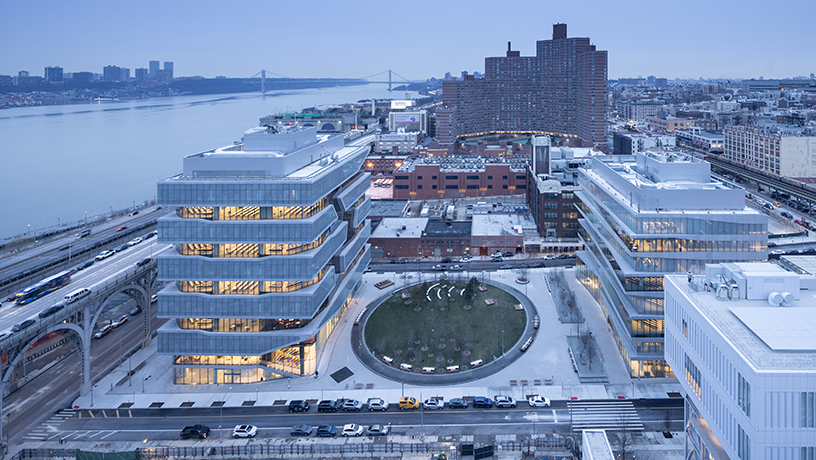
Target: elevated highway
76,321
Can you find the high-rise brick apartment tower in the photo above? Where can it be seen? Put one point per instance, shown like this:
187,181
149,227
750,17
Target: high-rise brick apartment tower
562,89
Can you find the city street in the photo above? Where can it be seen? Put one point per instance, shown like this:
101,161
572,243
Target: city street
165,424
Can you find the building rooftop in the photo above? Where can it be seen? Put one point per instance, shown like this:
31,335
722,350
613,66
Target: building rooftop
649,181
770,336
401,227
439,229
501,225
387,208
464,163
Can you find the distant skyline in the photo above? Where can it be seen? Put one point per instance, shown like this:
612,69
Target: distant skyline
418,39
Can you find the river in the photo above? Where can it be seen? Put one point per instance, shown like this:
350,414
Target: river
60,163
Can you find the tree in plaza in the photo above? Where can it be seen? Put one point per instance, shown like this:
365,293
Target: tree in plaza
522,272
589,346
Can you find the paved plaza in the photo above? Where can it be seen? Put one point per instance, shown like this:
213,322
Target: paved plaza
547,358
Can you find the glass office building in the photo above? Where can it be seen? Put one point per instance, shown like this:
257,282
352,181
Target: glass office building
648,215
269,246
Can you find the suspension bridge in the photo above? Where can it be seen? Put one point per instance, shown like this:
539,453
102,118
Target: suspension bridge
375,78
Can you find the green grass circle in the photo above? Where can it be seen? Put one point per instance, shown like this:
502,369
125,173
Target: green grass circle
396,330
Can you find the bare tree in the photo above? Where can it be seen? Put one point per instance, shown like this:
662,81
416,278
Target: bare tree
622,438
667,419
589,346
522,271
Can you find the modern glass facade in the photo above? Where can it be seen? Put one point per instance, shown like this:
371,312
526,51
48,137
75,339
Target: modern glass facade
268,250
636,228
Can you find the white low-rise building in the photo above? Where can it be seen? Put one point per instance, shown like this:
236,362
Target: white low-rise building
742,341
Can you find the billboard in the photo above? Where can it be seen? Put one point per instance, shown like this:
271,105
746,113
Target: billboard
406,118
401,104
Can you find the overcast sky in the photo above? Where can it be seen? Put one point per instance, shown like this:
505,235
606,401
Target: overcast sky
418,39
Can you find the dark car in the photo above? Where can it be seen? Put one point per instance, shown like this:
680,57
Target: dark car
298,406
149,235
377,430
458,403
134,213
51,310
144,261
446,260
326,431
394,261
84,265
64,248
301,430
122,247
403,261
509,254
23,326
195,431
786,215
121,228
135,310
157,208
328,406
481,401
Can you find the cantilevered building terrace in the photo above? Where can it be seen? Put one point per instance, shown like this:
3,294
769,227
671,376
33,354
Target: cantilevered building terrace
646,216
270,243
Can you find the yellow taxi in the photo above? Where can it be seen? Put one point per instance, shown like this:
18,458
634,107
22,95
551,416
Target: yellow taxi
408,402
777,204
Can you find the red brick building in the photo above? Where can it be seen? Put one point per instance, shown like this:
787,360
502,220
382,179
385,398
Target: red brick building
382,164
455,177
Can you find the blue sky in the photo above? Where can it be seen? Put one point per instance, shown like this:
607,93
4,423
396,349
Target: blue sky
417,39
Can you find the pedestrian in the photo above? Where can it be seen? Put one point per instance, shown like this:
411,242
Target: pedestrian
316,373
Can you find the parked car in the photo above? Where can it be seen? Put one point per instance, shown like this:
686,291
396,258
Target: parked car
456,268
244,431
539,401
446,260
103,331
378,404
326,431
148,236
51,310
352,405
433,404
505,267
464,260
328,405
403,261
482,401
394,261
195,431
408,402
103,255
122,320
377,430
122,247
505,401
458,403
438,268
19,327
352,429
298,405
135,310
786,215
771,244
5,334
509,254
135,241
301,430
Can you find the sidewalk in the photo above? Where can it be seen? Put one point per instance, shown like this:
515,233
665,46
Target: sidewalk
547,357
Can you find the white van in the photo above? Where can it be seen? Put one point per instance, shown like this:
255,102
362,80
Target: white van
76,295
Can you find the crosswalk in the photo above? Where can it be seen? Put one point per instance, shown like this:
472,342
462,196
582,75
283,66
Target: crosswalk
51,427
609,415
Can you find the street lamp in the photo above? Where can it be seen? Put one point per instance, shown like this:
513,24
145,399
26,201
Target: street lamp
421,413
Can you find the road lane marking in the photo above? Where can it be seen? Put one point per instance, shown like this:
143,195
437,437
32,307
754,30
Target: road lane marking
109,434
103,413
130,414
117,413
555,417
91,413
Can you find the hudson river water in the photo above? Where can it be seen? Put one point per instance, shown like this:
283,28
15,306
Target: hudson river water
59,162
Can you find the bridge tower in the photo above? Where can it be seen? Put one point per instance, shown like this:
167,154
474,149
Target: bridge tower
263,81
389,79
